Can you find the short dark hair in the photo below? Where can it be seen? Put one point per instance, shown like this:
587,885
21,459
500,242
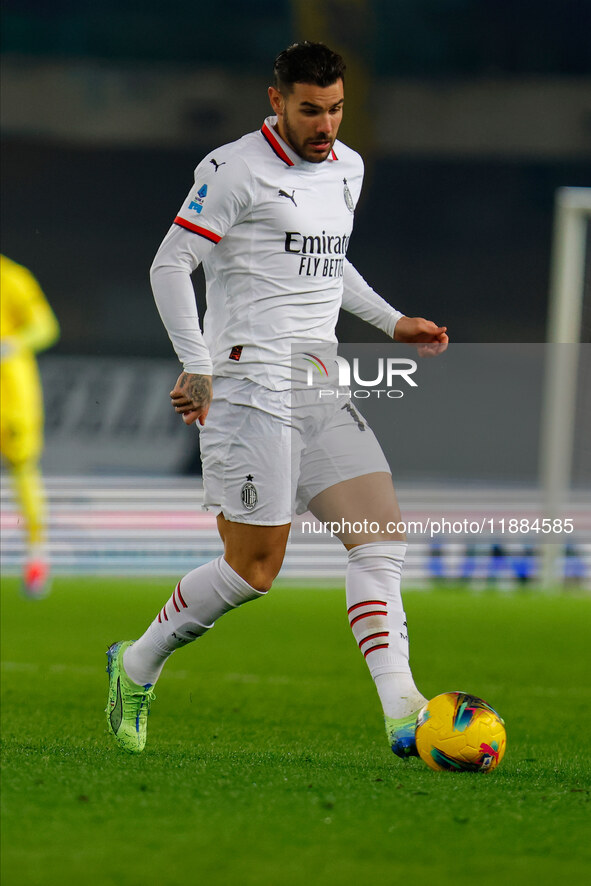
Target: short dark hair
307,62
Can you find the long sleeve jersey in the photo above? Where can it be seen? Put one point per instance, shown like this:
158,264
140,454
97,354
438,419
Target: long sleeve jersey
271,231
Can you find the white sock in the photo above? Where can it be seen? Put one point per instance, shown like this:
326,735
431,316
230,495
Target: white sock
378,622
199,599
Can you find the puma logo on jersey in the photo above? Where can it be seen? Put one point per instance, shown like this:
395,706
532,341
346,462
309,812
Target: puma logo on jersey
289,196
216,164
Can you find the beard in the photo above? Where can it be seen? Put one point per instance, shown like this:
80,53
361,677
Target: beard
302,147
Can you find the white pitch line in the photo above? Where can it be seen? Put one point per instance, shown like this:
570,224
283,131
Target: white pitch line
88,670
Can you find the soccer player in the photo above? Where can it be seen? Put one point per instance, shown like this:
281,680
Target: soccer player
269,217
27,325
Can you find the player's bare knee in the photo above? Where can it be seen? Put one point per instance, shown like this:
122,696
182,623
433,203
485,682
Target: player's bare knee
259,578
263,584
259,571
394,536
266,570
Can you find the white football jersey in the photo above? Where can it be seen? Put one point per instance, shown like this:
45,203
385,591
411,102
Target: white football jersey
271,231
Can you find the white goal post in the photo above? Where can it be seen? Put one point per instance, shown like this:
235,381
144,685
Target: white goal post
567,280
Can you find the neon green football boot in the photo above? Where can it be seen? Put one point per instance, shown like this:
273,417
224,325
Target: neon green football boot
129,703
401,735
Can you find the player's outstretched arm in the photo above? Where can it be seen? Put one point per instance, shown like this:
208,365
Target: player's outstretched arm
360,299
191,397
430,338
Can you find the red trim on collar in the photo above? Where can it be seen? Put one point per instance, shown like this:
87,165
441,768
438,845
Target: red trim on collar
333,156
273,142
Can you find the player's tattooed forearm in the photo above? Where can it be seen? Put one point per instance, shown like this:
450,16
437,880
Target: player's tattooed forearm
197,388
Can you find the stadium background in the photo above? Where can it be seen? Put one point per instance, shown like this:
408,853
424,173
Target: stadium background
468,117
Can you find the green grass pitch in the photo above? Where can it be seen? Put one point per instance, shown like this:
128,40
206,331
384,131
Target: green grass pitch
267,764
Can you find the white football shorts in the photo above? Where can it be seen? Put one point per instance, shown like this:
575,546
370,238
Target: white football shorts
266,454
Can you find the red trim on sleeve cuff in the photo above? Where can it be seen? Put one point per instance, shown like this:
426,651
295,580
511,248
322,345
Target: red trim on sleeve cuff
203,232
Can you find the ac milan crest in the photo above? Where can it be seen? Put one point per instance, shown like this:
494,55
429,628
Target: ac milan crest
249,494
348,197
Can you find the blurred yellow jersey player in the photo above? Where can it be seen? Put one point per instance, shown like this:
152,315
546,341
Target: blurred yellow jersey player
27,325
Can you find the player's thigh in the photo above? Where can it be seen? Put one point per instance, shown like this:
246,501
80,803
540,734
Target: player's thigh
21,412
21,438
345,477
361,510
255,552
